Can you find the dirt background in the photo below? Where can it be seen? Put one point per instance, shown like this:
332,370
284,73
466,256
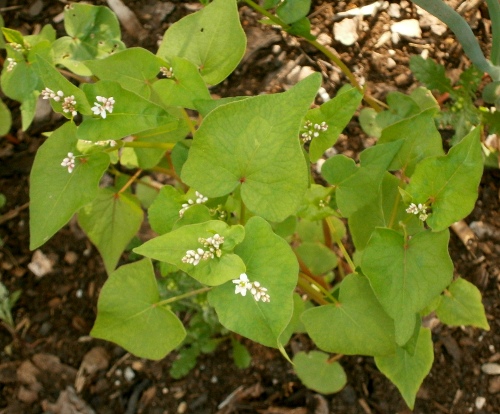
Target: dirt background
49,353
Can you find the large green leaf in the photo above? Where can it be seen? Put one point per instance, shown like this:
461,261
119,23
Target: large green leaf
129,315
357,325
136,77
254,143
270,261
336,113
110,221
164,211
406,275
131,114
172,247
316,372
358,186
407,370
293,10
461,305
420,137
212,39
449,183
93,33
55,194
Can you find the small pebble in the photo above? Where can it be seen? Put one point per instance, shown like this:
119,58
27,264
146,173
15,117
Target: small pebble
346,32
480,401
391,63
491,368
129,374
79,293
182,407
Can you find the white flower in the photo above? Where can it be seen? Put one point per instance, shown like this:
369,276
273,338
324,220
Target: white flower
11,64
258,292
242,285
313,131
420,209
167,72
200,199
69,105
107,105
69,162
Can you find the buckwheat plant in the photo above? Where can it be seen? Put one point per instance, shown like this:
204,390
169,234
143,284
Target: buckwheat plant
239,211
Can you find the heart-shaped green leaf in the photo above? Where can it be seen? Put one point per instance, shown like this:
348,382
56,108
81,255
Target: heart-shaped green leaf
319,374
252,143
357,325
450,183
406,275
270,261
129,314
406,370
56,194
110,221
212,39
461,305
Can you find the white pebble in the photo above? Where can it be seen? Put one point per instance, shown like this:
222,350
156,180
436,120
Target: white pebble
491,368
480,401
129,374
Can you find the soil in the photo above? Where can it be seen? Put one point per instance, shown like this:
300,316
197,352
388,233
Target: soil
49,354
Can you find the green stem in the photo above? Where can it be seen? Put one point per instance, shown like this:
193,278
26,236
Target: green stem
311,292
141,144
313,282
342,248
183,296
189,121
270,16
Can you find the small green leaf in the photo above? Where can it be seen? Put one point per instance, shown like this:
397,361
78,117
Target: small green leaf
357,325
461,305
241,356
292,10
93,33
358,186
186,86
131,114
270,261
318,258
129,313
172,247
212,39
430,73
450,183
406,275
110,221
316,203
164,211
386,210
5,119
368,121
420,137
137,77
407,371
316,372
336,113
55,194
252,143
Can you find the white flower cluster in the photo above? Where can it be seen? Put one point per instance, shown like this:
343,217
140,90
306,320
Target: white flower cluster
313,131
11,64
167,72
16,46
258,292
69,162
106,104
212,246
420,209
200,199
68,104
110,142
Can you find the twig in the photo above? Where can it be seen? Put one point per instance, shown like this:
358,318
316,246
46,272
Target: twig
13,213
